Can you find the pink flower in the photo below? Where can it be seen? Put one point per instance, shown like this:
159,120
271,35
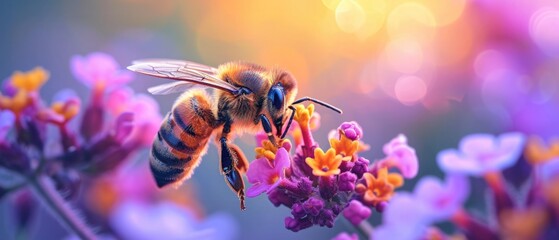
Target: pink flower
265,176
442,199
346,236
356,212
99,71
408,216
400,155
482,153
431,201
147,118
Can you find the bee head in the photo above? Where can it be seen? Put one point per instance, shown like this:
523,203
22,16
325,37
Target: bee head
279,97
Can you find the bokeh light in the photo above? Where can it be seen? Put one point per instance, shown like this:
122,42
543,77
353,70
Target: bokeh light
410,89
544,26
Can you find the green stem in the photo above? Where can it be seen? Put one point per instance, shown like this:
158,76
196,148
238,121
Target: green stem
46,191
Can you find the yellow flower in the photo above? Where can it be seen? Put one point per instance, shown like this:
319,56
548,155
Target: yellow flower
269,150
536,152
381,188
67,110
16,103
303,115
324,164
345,147
30,81
297,134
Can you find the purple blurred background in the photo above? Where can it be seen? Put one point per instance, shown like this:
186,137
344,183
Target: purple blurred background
433,70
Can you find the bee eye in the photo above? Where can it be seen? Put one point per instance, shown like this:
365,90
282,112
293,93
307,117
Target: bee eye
275,96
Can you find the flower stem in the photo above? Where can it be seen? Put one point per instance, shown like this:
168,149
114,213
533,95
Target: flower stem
366,229
307,136
45,191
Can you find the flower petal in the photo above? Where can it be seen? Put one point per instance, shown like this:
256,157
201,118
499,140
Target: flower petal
257,189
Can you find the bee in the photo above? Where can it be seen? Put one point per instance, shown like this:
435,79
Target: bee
246,98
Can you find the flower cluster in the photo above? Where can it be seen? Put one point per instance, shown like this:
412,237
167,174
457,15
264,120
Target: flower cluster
317,184
524,211
85,152
103,139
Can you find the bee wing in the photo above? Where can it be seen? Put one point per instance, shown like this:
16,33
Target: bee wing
188,73
185,64
172,87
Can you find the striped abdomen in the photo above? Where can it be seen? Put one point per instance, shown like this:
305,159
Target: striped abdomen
182,138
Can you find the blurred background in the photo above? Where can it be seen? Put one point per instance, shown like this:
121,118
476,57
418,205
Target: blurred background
433,70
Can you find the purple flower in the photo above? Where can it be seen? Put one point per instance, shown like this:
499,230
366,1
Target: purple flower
326,218
7,119
99,71
361,167
356,212
351,130
279,196
296,225
346,236
346,181
134,220
313,206
400,155
265,177
479,154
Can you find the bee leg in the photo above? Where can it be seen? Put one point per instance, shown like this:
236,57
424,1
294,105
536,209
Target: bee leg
230,158
242,162
268,128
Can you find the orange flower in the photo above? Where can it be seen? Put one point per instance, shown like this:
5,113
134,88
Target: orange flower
381,188
16,103
324,164
536,152
24,82
523,224
345,147
30,81
67,110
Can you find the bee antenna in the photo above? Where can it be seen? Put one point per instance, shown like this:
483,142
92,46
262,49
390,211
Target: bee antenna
324,104
289,122
304,99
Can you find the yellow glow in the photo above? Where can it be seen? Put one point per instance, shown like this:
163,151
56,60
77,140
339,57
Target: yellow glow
411,20
444,11
331,4
350,16
375,11
404,55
